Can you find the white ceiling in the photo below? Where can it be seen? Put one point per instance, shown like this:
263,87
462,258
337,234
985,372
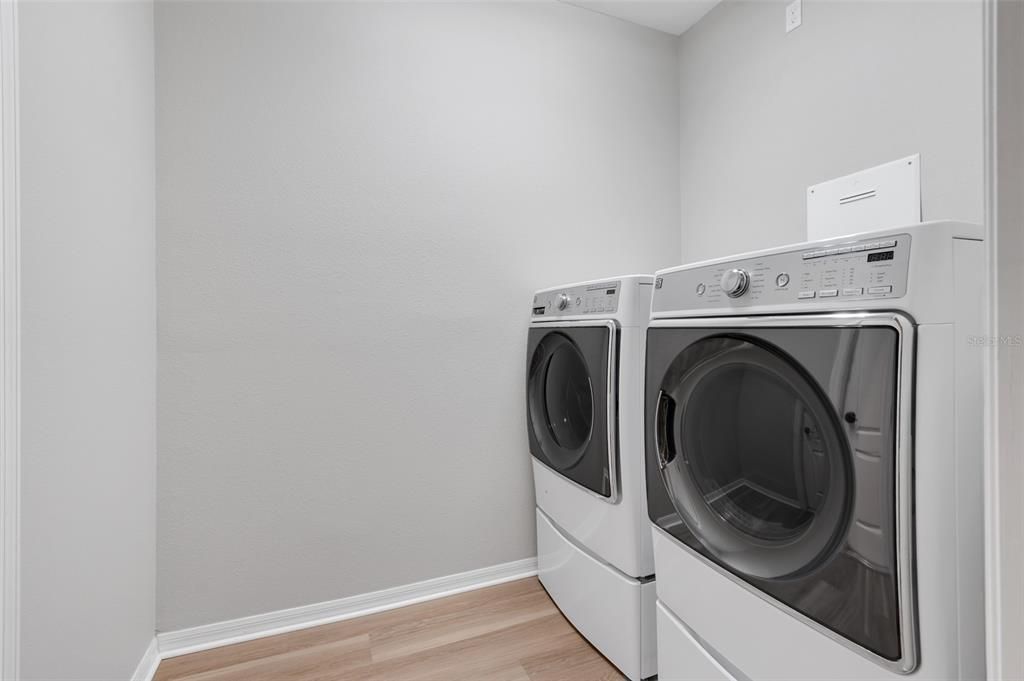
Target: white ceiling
670,16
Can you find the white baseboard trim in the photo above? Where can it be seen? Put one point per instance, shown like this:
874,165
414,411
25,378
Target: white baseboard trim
149,662
184,641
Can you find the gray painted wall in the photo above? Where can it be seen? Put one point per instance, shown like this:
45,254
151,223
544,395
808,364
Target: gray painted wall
89,338
355,203
765,114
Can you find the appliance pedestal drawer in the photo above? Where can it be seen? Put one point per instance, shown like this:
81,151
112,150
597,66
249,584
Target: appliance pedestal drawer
612,611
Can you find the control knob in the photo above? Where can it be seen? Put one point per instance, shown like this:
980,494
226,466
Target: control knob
735,282
562,301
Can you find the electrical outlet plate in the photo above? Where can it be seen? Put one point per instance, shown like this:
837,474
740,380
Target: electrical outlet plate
794,15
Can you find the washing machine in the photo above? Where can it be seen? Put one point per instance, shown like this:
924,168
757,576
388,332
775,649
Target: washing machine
814,460
584,395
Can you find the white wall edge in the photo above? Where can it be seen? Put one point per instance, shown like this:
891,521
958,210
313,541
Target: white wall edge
10,350
207,636
146,669
993,614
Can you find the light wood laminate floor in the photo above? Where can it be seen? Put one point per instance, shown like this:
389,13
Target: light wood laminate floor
510,632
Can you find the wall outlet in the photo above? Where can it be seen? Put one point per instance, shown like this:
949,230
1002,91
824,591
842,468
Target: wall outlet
793,15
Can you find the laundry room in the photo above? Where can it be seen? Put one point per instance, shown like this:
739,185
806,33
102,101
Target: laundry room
511,339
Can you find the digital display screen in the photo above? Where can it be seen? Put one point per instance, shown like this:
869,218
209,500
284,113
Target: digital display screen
538,310
883,255
610,292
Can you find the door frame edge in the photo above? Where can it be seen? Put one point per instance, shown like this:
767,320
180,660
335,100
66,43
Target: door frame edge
10,347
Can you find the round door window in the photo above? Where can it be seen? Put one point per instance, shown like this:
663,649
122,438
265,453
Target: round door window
753,456
561,400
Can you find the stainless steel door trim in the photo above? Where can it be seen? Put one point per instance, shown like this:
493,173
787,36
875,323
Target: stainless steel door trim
611,405
905,564
898,320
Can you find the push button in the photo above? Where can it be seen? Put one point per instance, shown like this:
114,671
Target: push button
880,289
853,291
828,292
804,295
888,244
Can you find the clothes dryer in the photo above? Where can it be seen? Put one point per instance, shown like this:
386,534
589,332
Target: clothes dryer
814,459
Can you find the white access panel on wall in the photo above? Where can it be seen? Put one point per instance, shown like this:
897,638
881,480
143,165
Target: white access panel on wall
876,198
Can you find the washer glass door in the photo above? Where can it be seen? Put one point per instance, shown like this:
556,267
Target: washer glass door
771,452
569,378
563,396
753,456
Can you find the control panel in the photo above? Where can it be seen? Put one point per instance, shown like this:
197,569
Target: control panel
601,298
866,269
